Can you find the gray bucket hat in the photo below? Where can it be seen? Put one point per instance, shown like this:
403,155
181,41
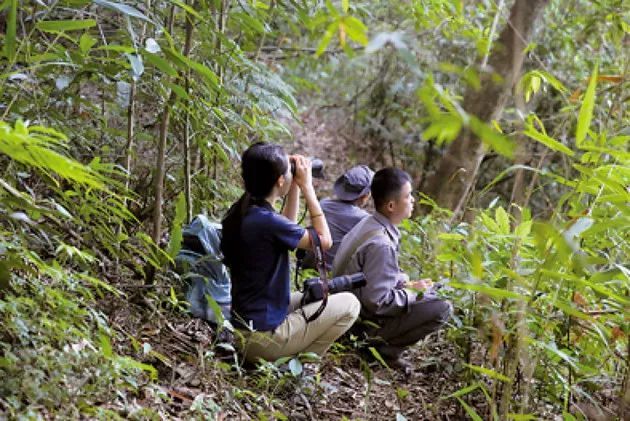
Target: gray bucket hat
354,183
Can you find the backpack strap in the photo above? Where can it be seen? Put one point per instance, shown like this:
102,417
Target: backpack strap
316,245
344,259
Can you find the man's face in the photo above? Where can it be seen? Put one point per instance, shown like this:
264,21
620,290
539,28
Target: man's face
401,207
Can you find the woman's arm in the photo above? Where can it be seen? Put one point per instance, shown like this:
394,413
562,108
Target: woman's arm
303,178
292,205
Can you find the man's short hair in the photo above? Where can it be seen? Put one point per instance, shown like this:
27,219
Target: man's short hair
387,185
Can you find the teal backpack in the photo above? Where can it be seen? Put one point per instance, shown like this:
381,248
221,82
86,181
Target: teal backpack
199,264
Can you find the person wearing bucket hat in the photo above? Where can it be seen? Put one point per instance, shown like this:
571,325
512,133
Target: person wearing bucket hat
344,211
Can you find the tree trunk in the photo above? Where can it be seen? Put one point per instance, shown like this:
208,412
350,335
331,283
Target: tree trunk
457,172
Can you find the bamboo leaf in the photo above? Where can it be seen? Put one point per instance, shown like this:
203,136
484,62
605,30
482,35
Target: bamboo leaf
123,8
586,111
469,410
65,25
489,291
568,309
9,43
549,142
160,63
356,30
323,43
463,391
521,417
490,373
500,143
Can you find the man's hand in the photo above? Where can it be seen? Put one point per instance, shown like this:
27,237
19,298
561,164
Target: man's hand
421,285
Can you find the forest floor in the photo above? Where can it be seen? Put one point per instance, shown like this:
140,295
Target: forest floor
199,375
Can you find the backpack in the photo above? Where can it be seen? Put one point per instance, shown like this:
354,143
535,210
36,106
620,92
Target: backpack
199,263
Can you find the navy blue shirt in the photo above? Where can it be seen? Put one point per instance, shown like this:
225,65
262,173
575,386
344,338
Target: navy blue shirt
261,275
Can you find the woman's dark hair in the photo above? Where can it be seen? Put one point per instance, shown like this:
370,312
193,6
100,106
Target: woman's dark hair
387,185
261,165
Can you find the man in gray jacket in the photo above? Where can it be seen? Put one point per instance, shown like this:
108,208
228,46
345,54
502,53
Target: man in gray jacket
389,299
344,211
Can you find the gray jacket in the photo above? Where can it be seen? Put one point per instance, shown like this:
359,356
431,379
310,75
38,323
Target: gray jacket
384,293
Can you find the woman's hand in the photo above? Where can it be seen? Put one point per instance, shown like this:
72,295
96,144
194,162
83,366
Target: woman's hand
303,177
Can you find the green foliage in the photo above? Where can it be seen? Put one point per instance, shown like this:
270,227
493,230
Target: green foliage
549,280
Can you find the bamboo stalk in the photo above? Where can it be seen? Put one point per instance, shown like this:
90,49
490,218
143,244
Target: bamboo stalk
187,172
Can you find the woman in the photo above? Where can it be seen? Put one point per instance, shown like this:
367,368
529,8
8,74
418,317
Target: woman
256,241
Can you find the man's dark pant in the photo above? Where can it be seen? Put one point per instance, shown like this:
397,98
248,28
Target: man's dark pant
397,333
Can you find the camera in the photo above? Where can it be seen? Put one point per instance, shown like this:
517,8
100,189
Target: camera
317,168
313,287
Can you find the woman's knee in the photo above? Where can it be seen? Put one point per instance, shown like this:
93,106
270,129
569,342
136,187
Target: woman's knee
346,305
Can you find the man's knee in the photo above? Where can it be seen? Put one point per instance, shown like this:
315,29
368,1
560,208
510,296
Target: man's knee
444,311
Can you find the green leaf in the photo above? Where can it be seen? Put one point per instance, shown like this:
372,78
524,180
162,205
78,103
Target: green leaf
216,310
86,42
179,91
106,345
160,63
345,5
586,111
567,416
500,143
503,220
463,391
490,373
570,310
356,30
186,8
378,356
64,25
247,21
547,141
10,48
489,291
444,127
470,411
175,241
522,417
323,43
123,8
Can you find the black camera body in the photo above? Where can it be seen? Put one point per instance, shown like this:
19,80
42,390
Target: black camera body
314,289
317,168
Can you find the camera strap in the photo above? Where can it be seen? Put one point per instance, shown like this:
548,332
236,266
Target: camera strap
316,245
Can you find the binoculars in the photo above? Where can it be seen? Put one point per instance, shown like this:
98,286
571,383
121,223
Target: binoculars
317,168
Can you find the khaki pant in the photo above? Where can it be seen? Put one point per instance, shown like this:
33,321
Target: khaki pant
294,335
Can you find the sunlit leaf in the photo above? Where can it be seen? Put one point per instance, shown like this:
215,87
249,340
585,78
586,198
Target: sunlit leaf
500,143
488,372
586,111
323,43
